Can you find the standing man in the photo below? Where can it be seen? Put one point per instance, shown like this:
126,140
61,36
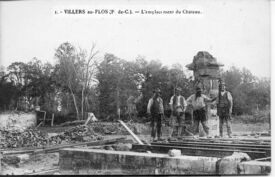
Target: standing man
224,109
155,111
178,105
198,102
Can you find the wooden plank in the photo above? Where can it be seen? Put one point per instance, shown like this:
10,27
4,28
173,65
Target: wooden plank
233,148
39,124
130,131
260,142
208,152
221,144
87,121
44,172
263,159
56,148
214,146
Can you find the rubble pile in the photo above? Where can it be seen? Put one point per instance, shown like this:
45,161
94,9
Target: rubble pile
26,138
36,138
112,128
76,134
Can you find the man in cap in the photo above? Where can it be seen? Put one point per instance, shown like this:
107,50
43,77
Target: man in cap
155,111
178,105
224,109
198,102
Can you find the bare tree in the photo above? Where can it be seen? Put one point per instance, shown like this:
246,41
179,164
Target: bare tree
77,70
88,74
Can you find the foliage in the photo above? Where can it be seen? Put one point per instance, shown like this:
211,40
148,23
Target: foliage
115,82
118,79
249,92
261,116
27,82
8,92
78,83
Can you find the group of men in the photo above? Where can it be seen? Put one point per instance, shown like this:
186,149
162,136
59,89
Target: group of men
198,101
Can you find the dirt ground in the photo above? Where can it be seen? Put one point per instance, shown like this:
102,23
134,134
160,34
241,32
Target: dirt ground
240,128
39,162
35,163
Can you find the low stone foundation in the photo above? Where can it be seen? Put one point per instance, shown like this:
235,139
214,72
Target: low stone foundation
96,161
91,161
255,167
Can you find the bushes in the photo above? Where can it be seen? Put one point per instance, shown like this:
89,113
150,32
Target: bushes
258,117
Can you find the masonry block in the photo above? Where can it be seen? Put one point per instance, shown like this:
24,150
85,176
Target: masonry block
229,165
88,161
174,152
255,168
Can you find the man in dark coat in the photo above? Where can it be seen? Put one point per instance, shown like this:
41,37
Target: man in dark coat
224,109
155,111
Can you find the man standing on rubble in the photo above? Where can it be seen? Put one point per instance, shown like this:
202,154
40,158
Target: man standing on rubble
155,111
178,105
198,102
224,109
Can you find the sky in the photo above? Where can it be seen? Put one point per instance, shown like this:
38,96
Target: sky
236,32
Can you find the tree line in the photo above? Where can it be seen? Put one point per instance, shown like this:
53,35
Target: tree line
82,82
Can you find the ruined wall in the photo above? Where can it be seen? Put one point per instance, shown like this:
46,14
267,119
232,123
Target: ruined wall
74,161
17,120
94,161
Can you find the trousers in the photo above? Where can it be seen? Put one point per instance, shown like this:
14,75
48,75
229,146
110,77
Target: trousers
156,125
200,116
227,121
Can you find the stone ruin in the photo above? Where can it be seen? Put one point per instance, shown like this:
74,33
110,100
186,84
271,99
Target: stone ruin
207,75
205,65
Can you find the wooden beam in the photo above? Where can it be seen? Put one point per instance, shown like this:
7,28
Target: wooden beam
232,147
87,121
208,152
219,144
56,148
263,159
44,172
130,131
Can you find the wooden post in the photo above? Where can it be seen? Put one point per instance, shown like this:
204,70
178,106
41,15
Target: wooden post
52,119
44,120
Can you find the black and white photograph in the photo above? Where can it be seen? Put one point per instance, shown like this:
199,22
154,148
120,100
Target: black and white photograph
135,87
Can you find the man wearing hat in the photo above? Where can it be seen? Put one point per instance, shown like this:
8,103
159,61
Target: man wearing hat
224,109
155,111
198,101
178,105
